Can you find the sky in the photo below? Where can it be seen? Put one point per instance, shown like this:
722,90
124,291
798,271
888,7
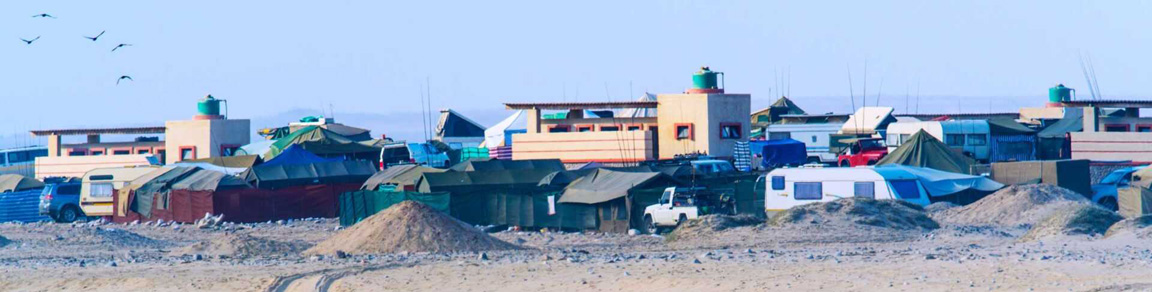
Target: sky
377,57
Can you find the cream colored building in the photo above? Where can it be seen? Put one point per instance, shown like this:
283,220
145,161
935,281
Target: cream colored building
705,123
204,138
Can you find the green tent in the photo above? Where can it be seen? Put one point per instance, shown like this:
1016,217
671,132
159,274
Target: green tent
494,164
399,176
357,205
321,142
923,150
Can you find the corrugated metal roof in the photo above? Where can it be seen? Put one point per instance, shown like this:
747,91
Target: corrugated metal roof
100,131
582,105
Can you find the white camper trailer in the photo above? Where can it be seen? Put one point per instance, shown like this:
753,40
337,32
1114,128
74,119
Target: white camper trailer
789,187
969,137
98,187
816,138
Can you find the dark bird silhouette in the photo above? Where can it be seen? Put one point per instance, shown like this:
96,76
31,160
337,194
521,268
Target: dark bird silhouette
29,42
122,78
121,46
95,37
44,15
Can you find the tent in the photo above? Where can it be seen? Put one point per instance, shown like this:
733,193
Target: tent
498,135
1054,143
781,152
1011,141
295,154
323,143
493,164
238,161
354,133
357,205
17,183
331,172
213,167
400,175
923,150
771,115
455,125
258,148
948,186
640,112
619,197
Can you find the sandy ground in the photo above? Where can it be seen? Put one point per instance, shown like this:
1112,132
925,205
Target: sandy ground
57,257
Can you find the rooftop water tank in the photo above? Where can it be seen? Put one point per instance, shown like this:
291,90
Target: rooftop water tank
209,106
1060,94
706,81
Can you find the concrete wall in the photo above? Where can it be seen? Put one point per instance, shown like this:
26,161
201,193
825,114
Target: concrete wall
575,147
76,166
1113,146
705,113
206,136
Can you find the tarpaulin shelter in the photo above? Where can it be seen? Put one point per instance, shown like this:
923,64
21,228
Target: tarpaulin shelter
401,176
782,152
1134,201
619,197
493,164
1068,174
354,133
357,205
258,148
331,172
952,187
771,115
1053,139
295,154
213,167
324,143
452,125
239,161
640,112
506,197
923,150
1011,141
500,134
16,183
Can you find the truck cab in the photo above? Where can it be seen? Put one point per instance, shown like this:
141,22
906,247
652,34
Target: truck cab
862,151
678,205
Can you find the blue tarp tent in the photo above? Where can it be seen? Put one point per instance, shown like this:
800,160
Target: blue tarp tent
295,154
782,152
948,186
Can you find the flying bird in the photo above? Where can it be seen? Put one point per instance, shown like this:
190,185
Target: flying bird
95,37
122,78
121,46
29,42
44,15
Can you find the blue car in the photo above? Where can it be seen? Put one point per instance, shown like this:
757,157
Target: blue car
1105,192
61,201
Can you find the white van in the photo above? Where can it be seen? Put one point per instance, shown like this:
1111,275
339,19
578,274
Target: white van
970,137
98,187
789,187
816,138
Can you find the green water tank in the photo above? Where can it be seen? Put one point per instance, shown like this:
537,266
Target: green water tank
705,79
1060,94
209,106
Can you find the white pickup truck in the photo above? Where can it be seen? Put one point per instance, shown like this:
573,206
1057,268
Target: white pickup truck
678,205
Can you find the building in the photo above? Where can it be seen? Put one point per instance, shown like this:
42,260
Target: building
208,134
703,120
1098,130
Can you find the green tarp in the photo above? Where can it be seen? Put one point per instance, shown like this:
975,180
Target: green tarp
923,150
400,175
274,176
493,164
1008,127
357,205
605,185
321,142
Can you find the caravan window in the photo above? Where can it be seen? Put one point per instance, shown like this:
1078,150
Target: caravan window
954,139
779,135
906,189
865,189
100,190
808,190
977,140
777,183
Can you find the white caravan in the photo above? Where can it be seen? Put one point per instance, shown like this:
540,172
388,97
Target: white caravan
969,137
98,187
789,187
816,138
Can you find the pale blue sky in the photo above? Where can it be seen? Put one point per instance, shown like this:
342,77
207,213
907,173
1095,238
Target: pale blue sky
267,57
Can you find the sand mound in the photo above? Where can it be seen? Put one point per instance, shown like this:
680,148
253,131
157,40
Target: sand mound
939,207
708,224
1137,227
894,214
409,227
242,246
109,237
1012,206
1073,219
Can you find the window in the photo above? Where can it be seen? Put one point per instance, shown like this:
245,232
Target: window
666,197
1143,128
808,190
101,177
906,189
19,156
187,153
977,140
777,183
142,151
68,190
96,152
100,190
609,128
584,128
230,149
954,139
684,132
1116,128
779,135
730,131
865,190
634,128
893,140
121,152
905,138
559,129
162,154
77,152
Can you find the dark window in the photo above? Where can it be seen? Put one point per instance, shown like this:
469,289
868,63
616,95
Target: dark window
730,131
954,139
777,183
865,190
77,152
906,189
584,129
808,190
609,128
187,153
633,128
68,190
977,139
121,152
230,150
97,152
142,151
1144,128
1116,128
683,132
100,177
780,135
559,129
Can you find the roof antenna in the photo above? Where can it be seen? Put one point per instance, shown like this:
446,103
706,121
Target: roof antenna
1087,78
1095,81
880,90
423,119
851,94
917,95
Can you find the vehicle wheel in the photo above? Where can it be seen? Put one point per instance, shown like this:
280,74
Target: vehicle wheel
1109,203
68,214
683,218
813,160
650,226
844,163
